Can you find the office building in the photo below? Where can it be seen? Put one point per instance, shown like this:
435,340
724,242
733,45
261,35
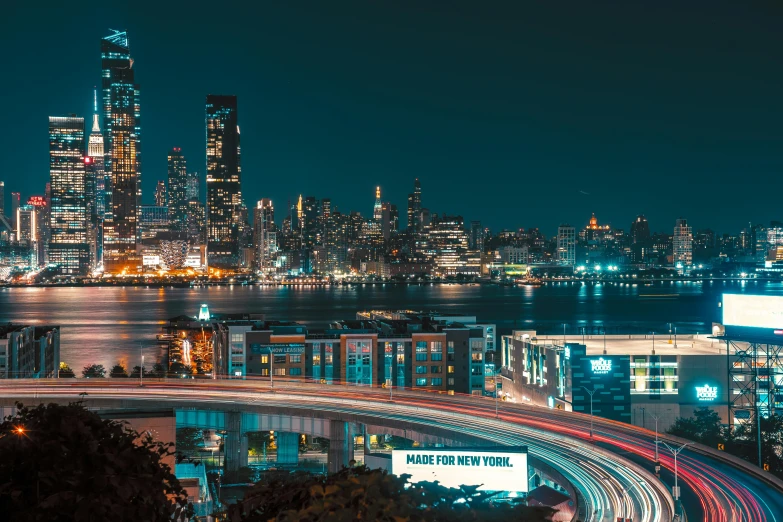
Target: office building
682,245
161,197
640,230
178,189
414,208
224,192
476,241
15,202
566,245
390,218
68,244
193,186
122,144
153,220
28,352
96,152
263,230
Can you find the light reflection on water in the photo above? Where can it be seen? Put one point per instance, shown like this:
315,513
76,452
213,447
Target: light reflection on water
105,324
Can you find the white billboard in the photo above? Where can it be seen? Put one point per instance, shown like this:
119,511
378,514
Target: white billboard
753,311
494,470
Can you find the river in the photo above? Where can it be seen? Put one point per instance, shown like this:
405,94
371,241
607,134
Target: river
103,325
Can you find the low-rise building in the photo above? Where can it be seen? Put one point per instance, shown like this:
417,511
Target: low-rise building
28,352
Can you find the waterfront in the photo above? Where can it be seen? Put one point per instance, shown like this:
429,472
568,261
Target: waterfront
105,324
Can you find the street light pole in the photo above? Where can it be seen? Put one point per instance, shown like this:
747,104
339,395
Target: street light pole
653,351
675,337
591,392
564,339
676,452
271,368
656,438
141,373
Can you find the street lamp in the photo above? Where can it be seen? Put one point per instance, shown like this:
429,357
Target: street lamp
564,338
675,452
591,392
656,417
653,351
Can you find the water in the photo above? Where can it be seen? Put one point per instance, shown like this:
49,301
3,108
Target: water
103,325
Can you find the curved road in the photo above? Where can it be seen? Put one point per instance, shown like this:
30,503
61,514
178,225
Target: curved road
607,470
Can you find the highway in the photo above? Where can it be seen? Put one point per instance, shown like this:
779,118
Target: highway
611,471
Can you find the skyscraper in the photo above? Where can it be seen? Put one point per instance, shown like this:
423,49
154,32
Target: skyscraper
15,202
640,230
682,244
192,187
263,225
224,192
161,197
96,151
178,189
476,236
122,133
414,208
566,245
68,247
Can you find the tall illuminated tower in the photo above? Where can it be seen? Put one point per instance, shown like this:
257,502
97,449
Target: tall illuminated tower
414,208
178,189
122,134
68,243
224,175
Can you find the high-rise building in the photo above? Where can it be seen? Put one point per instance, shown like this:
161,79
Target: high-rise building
263,225
640,230
377,209
178,189
193,186
161,198
476,239
414,208
96,151
566,245
15,202
390,220
68,246
2,198
122,135
224,175
682,244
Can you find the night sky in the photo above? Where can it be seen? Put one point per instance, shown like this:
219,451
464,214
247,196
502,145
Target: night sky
519,114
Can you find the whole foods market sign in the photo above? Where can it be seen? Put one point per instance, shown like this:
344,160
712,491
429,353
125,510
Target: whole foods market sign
493,470
706,393
600,366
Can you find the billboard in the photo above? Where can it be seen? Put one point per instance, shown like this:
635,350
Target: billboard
495,469
753,311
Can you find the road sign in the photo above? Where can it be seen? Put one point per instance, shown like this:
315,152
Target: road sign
722,447
766,467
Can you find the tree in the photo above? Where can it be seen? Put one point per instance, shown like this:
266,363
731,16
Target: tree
136,372
118,371
745,443
189,439
157,372
66,464
65,371
704,427
94,371
364,494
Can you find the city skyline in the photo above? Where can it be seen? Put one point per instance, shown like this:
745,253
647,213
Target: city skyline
313,137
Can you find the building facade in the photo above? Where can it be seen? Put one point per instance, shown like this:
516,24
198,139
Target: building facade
122,144
224,192
68,244
566,245
682,245
178,189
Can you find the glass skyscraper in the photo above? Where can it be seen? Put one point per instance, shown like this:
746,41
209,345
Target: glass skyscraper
224,193
122,133
178,189
69,219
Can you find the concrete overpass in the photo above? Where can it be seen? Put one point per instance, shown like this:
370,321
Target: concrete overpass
607,471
